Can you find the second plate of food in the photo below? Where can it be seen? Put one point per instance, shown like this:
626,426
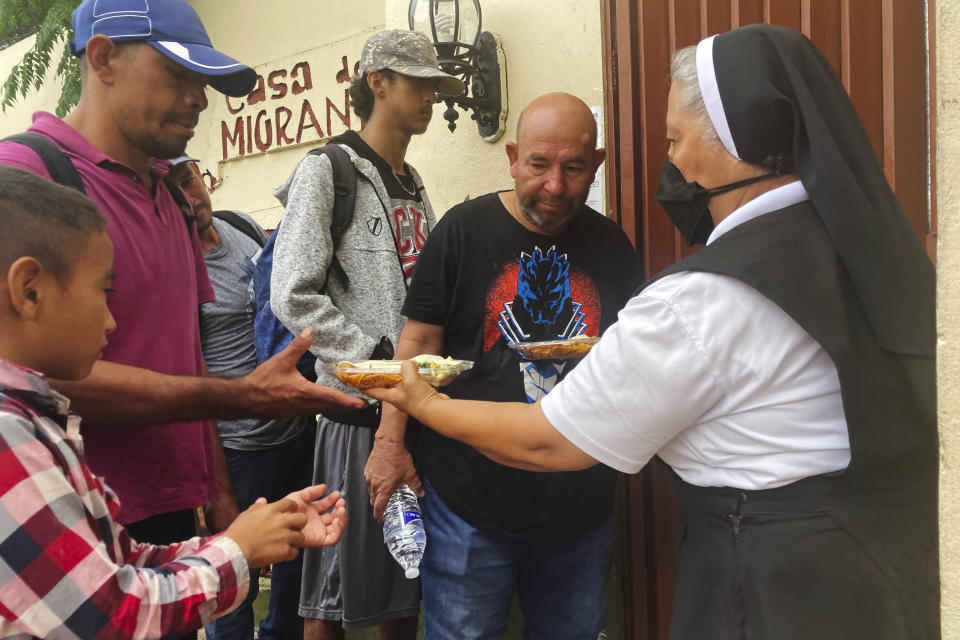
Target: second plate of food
555,349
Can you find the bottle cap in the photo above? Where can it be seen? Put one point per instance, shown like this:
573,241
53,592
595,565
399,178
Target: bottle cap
412,573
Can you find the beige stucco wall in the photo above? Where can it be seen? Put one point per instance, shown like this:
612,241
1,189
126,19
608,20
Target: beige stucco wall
17,117
272,36
268,36
948,305
550,45
544,53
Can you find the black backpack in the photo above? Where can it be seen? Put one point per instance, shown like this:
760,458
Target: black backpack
269,334
241,224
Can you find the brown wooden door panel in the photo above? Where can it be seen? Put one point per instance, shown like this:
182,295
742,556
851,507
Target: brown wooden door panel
785,12
748,11
654,80
822,21
861,74
714,17
622,96
878,49
905,110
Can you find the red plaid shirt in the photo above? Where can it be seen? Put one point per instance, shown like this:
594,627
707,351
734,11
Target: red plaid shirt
67,568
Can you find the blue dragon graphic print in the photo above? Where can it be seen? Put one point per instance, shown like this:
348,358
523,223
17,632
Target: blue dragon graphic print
543,309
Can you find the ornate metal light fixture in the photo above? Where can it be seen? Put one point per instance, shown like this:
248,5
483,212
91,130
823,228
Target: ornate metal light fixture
475,56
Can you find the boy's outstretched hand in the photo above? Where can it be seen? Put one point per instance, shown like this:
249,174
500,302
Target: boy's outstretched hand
326,516
275,532
412,395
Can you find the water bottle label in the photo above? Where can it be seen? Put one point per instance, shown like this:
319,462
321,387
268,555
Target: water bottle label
410,516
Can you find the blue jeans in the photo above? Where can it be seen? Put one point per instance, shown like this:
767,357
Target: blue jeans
271,473
469,578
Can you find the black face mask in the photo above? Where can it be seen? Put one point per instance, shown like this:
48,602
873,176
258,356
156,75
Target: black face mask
687,203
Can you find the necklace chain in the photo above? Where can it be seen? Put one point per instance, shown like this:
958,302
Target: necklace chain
396,176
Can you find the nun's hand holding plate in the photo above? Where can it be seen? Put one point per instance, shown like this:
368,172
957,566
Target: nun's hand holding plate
412,395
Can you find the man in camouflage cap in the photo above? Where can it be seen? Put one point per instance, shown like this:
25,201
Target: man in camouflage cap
357,583
410,53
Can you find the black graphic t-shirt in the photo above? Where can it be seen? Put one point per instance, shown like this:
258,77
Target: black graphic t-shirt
406,202
487,280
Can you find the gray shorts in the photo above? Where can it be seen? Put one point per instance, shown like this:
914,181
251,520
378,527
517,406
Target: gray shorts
356,581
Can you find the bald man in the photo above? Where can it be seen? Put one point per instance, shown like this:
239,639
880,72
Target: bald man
530,264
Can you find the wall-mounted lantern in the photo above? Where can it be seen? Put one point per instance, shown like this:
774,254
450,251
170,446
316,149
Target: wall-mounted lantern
465,51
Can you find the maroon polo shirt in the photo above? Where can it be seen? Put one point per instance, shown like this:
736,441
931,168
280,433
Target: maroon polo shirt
161,280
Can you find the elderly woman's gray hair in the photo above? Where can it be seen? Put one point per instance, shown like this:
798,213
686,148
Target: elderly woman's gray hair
683,77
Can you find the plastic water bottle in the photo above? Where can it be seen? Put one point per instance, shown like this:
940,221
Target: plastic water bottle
403,530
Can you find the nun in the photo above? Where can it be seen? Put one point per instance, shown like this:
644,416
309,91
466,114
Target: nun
784,372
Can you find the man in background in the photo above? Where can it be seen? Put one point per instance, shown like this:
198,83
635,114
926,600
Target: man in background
265,457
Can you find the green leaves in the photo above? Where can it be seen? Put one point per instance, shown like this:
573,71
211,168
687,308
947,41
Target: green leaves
50,19
20,18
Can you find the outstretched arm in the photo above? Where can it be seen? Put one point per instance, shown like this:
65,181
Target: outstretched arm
116,394
515,434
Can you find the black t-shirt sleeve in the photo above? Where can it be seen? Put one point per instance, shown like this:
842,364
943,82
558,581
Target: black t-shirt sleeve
428,297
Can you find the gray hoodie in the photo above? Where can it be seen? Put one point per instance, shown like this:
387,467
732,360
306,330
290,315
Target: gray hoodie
347,323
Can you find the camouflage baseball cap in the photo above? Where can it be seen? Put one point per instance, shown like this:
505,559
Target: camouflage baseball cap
410,53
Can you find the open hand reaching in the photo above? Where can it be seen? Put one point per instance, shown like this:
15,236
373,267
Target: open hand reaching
326,515
275,532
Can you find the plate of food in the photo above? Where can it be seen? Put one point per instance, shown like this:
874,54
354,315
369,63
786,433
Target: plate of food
568,349
370,374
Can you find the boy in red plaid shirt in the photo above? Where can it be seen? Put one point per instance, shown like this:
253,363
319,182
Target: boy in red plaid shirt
67,568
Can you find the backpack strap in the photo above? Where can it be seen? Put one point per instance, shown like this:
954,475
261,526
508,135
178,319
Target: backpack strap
344,189
344,199
181,199
57,163
62,171
241,224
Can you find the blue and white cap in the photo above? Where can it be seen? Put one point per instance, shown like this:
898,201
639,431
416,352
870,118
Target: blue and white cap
171,27
181,159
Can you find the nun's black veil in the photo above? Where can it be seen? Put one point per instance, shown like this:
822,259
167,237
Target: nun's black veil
780,96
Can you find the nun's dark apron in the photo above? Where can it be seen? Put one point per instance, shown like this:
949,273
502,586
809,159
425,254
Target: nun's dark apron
847,555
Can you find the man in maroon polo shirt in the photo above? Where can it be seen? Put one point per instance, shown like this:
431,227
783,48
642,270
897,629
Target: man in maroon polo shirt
145,68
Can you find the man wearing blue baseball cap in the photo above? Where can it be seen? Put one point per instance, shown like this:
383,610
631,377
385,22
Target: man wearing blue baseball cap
173,28
145,67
